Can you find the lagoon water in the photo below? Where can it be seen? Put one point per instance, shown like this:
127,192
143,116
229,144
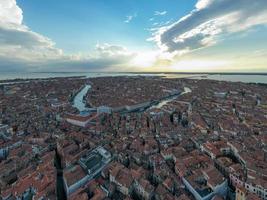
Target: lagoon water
237,78
221,77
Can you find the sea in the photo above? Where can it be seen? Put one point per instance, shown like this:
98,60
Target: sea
246,78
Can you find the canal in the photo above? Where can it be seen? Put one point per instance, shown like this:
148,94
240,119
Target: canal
79,101
166,101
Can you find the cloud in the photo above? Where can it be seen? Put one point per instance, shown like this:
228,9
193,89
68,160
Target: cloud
10,12
9,64
22,49
112,50
18,40
160,13
105,57
129,18
209,22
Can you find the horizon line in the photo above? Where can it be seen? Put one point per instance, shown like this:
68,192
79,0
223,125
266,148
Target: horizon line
149,72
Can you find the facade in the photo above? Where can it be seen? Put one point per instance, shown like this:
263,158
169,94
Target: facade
144,189
122,178
242,194
254,189
80,120
124,182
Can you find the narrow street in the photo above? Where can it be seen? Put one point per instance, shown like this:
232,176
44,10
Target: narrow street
61,195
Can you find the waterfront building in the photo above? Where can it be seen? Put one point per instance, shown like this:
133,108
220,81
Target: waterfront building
80,120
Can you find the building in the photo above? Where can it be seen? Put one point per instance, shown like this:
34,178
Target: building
144,189
249,186
3,153
95,161
5,132
39,183
74,177
123,181
90,165
242,194
199,176
80,120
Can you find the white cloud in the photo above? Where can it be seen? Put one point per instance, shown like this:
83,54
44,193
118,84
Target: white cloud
160,13
129,18
203,4
209,21
18,40
10,12
23,49
112,50
104,57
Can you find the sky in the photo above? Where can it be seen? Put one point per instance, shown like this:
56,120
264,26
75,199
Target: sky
133,35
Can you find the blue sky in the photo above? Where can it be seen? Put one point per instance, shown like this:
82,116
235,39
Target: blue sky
133,35
79,25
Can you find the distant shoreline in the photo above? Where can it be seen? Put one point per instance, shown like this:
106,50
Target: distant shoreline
106,72
201,73
22,77
20,80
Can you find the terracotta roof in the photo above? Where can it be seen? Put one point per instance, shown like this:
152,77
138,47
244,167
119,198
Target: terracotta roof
124,177
183,197
73,174
81,117
146,185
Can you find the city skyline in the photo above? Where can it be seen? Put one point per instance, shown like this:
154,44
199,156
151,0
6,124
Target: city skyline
133,36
